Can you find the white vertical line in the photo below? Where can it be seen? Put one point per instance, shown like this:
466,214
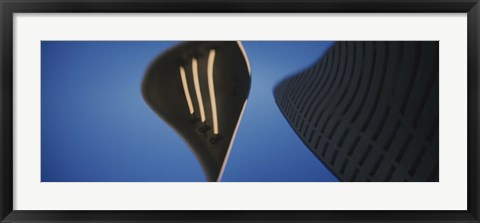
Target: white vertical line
240,45
211,88
185,90
198,92
222,170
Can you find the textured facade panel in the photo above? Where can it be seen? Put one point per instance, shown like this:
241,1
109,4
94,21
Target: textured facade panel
369,110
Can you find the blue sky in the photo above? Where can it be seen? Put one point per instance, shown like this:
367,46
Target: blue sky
97,128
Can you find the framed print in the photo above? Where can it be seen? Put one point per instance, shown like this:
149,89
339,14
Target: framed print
264,111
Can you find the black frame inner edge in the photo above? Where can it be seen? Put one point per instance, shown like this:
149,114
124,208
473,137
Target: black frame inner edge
9,7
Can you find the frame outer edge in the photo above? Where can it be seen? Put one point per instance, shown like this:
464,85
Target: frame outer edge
473,171
6,99
6,127
2,181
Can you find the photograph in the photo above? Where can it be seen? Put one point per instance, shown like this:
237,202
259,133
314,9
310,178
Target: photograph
239,111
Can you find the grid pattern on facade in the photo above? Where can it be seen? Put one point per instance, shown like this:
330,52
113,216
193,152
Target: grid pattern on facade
369,110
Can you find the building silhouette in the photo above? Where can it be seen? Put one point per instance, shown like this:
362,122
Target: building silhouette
200,89
369,110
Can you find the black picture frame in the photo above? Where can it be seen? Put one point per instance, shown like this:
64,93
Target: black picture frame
9,7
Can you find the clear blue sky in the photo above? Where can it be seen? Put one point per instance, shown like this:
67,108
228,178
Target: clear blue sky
97,128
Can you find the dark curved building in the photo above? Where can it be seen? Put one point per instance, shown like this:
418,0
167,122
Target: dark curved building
200,89
369,110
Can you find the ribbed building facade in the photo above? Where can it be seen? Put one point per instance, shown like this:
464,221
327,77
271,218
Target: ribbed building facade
369,110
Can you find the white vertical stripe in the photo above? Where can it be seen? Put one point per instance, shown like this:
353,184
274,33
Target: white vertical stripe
240,45
186,91
224,164
211,88
198,92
